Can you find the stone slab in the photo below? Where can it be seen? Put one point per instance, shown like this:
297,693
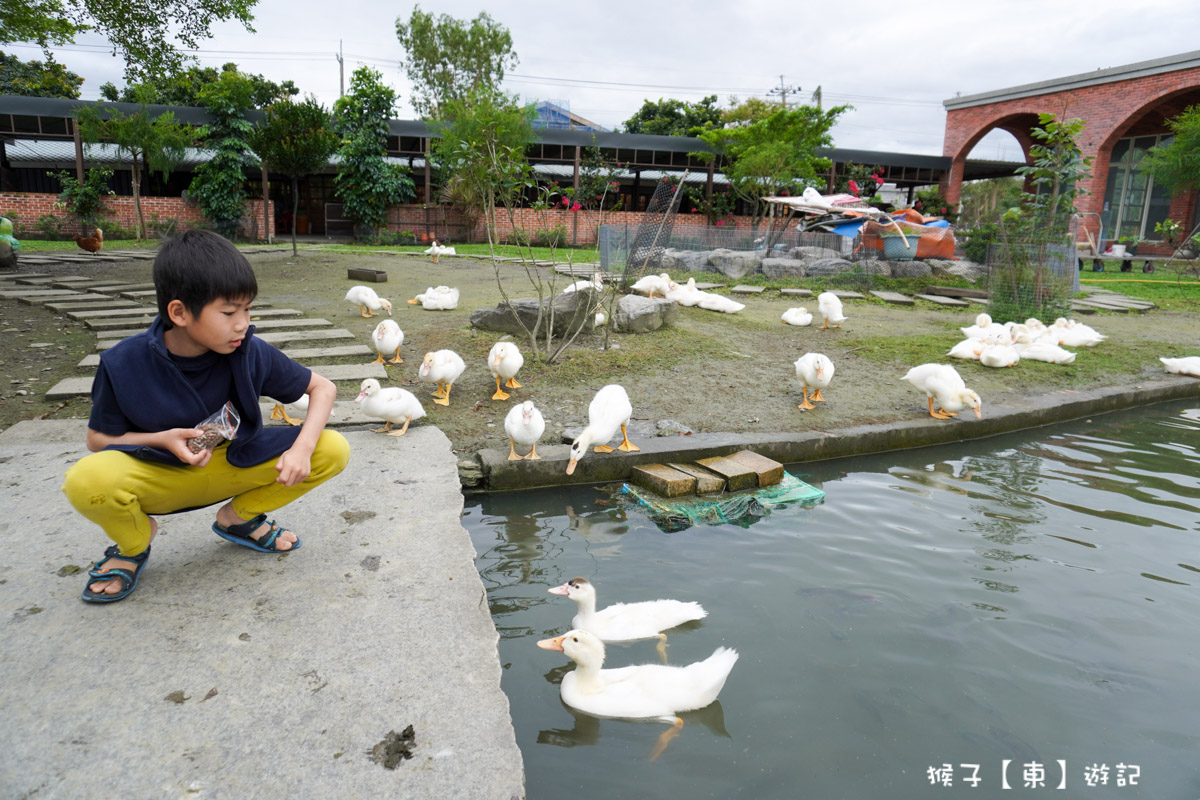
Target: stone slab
110,312
271,324
707,482
768,470
209,616
704,287
275,337
663,480
843,294
37,300
260,313
736,475
956,291
796,292
1102,305
107,324
743,289
30,291
329,352
22,277
35,280
89,305
979,301
1078,309
138,294
943,301
894,297
345,413
1118,300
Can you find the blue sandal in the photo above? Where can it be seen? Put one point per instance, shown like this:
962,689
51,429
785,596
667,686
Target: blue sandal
240,534
129,580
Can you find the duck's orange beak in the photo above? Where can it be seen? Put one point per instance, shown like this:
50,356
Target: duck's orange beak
979,412
563,590
571,466
552,644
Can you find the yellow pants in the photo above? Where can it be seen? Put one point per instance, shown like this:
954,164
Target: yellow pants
117,491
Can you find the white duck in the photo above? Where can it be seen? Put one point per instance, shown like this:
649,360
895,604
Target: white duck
830,307
504,361
368,301
596,284
815,372
279,412
1044,350
436,251
386,340
711,301
797,316
983,328
999,355
968,349
393,405
625,622
645,691
651,285
609,410
437,298
524,425
943,384
1188,365
442,367
1076,334
684,294
601,318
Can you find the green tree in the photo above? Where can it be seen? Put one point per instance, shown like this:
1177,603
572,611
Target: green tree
158,142
775,153
37,79
985,200
366,183
145,32
295,139
1058,166
183,88
1176,165
219,186
743,113
85,199
675,117
449,59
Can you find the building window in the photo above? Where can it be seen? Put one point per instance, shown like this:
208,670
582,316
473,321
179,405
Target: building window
1132,203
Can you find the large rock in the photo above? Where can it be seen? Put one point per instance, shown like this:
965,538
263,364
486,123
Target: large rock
8,257
957,269
637,314
735,263
684,260
810,253
783,267
910,269
824,267
571,311
875,266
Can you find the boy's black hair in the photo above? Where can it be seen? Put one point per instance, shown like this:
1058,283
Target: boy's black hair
197,267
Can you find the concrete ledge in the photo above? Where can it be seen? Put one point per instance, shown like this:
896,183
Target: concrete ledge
920,431
230,673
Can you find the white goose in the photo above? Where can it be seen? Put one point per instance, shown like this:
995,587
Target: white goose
524,425
504,361
684,294
711,301
943,384
651,285
609,410
436,251
646,691
999,355
625,622
442,367
437,298
797,316
830,307
1044,350
815,372
1076,334
278,411
368,301
968,349
1188,365
983,328
596,284
393,405
386,340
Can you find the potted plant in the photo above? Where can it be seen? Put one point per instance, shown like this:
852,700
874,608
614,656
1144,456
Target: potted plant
1169,229
894,246
1131,242
1189,248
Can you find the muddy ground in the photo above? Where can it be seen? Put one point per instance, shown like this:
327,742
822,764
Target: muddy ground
709,372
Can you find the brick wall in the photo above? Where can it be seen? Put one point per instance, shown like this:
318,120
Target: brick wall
1112,111
29,206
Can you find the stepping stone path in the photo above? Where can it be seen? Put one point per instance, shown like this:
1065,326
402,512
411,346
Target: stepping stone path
742,289
894,297
796,292
943,301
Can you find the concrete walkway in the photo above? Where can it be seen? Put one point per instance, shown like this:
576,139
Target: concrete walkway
234,674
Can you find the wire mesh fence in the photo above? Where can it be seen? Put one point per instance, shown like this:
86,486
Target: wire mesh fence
1031,277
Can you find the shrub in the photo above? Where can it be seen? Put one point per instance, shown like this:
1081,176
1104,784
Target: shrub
551,237
50,227
976,241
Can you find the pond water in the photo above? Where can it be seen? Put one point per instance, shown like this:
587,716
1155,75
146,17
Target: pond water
1030,598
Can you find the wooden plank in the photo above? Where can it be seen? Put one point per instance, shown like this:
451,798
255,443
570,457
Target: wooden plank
736,475
662,480
956,291
943,301
1103,306
894,297
706,482
768,470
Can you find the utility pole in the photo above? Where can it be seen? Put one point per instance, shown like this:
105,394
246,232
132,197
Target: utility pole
341,71
782,90
816,98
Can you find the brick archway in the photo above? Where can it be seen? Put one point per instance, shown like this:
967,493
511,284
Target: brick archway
1136,99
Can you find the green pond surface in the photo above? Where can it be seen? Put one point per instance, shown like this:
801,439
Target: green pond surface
1030,598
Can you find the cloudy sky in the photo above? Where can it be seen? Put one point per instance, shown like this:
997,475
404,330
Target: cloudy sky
894,62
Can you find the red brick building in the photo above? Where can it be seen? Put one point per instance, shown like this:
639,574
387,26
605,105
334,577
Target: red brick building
1126,109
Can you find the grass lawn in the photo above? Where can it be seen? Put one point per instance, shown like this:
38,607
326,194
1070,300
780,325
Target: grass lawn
558,254
44,246
1170,288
